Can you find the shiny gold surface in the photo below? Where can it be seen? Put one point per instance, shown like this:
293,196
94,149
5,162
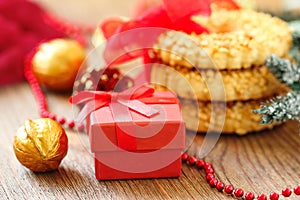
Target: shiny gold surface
40,144
56,63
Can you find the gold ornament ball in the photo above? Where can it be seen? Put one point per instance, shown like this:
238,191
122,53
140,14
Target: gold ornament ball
56,63
41,144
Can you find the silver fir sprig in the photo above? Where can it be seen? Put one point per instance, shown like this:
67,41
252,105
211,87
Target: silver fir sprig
286,71
281,109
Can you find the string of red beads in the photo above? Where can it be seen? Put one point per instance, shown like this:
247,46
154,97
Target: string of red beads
78,33
229,189
42,102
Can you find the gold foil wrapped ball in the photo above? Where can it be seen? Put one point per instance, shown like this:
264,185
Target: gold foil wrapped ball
41,144
56,63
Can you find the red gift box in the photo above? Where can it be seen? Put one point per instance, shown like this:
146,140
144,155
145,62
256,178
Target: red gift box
129,143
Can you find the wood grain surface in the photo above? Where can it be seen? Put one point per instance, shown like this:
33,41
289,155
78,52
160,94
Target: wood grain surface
259,162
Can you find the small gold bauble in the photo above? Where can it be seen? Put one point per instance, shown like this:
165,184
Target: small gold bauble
41,144
56,63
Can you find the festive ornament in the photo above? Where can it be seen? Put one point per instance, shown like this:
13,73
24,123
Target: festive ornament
56,63
106,79
288,72
41,144
236,193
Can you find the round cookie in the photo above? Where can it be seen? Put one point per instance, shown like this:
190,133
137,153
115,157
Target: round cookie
247,84
239,117
237,39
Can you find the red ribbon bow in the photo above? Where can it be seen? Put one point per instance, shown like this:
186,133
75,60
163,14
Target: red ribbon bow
132,98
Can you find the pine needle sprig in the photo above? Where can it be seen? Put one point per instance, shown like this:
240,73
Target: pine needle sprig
281,109
286,71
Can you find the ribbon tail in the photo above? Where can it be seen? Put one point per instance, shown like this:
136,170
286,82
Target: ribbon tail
86,96
139,107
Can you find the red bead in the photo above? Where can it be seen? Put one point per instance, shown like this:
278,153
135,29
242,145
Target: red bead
192,160
262,197
71,124
52,116
274,196
44,114
220,186
228,189
207,165
238,192
286,192
184,157
61,120
297,190
213,182
249,196
80,127
209,170
200,164
209,177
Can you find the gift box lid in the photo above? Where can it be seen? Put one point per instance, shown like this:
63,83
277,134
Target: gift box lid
166,129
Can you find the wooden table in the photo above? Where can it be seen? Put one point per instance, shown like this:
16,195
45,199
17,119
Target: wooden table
260,162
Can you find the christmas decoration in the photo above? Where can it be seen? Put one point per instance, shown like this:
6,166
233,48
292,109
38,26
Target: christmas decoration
126,127
106,79
41,144
286,107
56,63
237,193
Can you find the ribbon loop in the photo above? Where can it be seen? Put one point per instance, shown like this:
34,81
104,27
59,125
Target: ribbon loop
94,100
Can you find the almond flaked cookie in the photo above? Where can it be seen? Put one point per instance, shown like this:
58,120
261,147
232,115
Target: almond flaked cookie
237,39
225,85
234,117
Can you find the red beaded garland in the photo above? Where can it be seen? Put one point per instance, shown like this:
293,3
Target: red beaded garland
229,189
79,33
40,97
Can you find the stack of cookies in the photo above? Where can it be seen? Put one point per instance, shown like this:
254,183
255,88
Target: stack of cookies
220,76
